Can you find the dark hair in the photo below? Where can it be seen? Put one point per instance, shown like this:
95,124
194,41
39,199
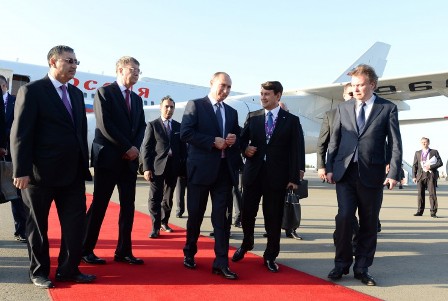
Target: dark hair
273,85
57,51
427,139
3,79
167,98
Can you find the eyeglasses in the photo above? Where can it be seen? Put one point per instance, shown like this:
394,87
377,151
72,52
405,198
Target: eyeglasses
71,61
134,70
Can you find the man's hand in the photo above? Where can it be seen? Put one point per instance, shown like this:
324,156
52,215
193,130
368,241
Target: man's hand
414,180
230,139
301,175
390,183
131,154
250,151
330,178
292,186
21,182
220,143
322,173
147,175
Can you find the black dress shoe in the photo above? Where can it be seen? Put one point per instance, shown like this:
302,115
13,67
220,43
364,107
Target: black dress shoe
337,273
41,282
271,265
20,238
225,272
293,234
128,259
189,262
418,214
434,215
93,259
365,278
154,234
166,228
179,215
265,234
239,254
238,224
78,278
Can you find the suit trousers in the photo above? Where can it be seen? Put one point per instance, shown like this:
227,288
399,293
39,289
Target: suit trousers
179,194
19,213
104,183
273,203
352,195
429,183
160,200
70,203
221,196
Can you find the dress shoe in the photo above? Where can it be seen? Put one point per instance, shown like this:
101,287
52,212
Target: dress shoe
154,234
418,214
189,262
179,215
365,278
41,282
20,238
166,228
434,215
237,224
93,259
293,234
128,259
337,273
225,272
265,234
78,278
271,265
239,254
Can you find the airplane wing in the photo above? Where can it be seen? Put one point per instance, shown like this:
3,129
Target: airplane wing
398,89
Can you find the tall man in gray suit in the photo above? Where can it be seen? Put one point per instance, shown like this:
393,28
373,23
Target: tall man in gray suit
425,175
120,126
50,132
210,127
356,163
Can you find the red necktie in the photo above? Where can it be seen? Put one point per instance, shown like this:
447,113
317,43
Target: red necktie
128,99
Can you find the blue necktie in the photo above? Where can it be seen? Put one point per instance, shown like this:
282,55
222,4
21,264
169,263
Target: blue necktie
270,121
361,121
219,118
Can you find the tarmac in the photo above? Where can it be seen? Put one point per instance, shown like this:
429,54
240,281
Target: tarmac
411,261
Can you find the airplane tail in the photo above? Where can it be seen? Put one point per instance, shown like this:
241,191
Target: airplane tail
375,57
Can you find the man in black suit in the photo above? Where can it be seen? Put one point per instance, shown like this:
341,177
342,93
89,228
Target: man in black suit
210,127
51,162
357,162
425,175
270,142
120,126
17,207
163,154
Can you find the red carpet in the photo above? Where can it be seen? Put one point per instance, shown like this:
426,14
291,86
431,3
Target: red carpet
163,276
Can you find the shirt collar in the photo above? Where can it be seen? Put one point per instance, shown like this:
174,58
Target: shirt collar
274,112
57,84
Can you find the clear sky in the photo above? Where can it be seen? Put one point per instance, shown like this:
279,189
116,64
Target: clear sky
300,43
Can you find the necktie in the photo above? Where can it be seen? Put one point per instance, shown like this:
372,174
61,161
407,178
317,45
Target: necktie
66,101
270,121
219,118
168,128
361,121
128,99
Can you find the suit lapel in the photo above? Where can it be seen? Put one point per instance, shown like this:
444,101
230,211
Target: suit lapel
279,123
122,101
211,112
56,99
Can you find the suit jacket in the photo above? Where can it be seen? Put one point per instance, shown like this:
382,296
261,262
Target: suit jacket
156,145
3,136
324,137
199,128
381,124
46,144
9,118
417,169
282,151
116,130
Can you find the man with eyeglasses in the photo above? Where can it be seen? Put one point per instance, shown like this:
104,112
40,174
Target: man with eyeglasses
50,132
120,126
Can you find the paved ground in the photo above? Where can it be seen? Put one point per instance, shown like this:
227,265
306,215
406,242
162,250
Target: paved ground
410,264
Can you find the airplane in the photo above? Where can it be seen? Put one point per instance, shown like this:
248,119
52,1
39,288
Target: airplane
309,104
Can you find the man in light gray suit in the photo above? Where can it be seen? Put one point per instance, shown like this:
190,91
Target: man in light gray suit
356,163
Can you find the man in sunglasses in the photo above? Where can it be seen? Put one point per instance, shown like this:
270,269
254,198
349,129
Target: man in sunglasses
51,162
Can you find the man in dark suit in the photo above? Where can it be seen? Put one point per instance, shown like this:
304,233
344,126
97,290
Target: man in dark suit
270,142
163,154
17,207
425,171
51,162
357,163
120,126
210,127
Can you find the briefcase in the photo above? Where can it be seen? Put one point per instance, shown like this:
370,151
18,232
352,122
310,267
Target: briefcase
292,213
302,191
8,191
